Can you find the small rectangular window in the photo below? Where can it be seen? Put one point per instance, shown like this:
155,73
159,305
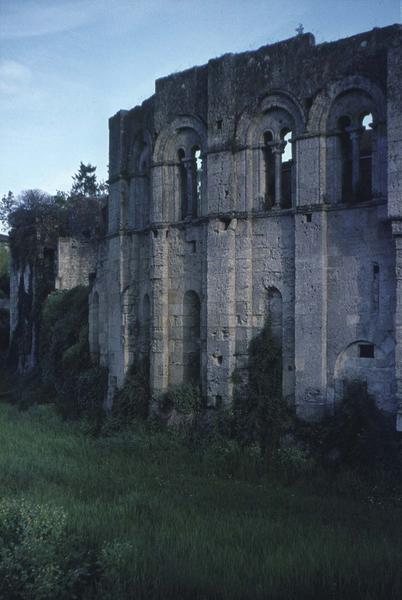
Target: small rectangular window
307,218
366,350
192,247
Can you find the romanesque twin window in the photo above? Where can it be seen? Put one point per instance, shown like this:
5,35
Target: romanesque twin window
343,162
190,177
137,213
278,169
356,148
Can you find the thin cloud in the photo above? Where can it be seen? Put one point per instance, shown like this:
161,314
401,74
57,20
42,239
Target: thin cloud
32,19
15,78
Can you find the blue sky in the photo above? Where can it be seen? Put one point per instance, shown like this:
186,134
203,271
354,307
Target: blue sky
66,66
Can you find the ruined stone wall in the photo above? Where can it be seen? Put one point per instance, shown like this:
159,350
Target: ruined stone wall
42,262
215,225
76,259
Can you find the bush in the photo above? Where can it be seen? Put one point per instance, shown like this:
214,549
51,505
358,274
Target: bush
185,399
359,434
117,562
33,561
82,394
260,414
28,390
132,402
77,386
293,462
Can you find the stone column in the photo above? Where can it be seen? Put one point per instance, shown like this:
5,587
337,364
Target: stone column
190,190
394,183
355,136
277,150
221,318
311,314
159,272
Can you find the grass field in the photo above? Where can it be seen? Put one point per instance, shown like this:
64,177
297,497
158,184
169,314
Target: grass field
165,523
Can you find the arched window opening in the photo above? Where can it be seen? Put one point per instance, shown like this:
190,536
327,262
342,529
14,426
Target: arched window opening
95,326
269,170
356,148
287,169
191,338
139,204
183,184
346,158
196,173
146,205
365,158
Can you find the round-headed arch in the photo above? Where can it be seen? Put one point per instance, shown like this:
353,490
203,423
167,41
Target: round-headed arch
185,130
371,97
275,113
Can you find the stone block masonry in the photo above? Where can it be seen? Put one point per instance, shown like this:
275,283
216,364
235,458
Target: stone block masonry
263,184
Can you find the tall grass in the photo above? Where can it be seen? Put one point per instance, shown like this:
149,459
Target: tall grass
164,521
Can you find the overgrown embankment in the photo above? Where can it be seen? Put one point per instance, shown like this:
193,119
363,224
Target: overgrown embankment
141,514
65,374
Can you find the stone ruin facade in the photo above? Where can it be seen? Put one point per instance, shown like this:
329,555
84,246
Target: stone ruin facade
41,262
4,302
266,183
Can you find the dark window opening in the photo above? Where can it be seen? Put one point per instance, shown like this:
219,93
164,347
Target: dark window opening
308,217
219,124
269,168
346,159
192,247
366,350
196,181
287,162
218,401
364,190
183,185
308,103
226,222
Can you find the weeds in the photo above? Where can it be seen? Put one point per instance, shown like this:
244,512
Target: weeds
142,514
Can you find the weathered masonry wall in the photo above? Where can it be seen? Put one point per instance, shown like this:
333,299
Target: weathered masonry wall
42,262
76,259
263,184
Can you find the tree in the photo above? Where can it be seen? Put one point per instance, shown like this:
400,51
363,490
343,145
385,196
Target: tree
4,271
261,414
85,183
37,220
8,204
